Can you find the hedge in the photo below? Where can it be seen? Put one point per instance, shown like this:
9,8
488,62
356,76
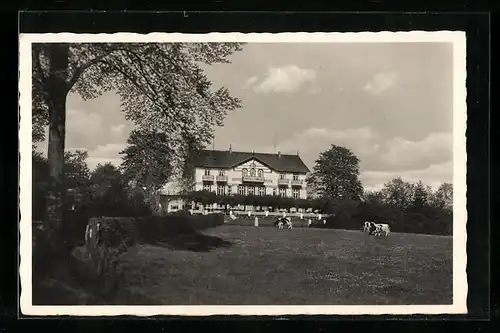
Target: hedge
206,197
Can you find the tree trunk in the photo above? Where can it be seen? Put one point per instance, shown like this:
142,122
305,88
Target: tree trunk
57,92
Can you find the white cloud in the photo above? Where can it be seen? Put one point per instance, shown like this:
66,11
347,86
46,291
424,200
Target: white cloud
314,91
436,147
428,160
434,175
360,140
283,79
92,162
107,150
79,121
311,142
117,130
381,82
105,153
250,82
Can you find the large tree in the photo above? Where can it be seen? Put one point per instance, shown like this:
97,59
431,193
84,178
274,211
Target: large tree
162,86
398,193
336,175
421,195
109,190
443,197
147,162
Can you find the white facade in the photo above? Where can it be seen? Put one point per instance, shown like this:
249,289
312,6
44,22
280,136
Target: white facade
251,177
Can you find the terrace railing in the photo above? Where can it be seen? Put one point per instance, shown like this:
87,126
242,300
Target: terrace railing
208,178
221,178
253,179
283,182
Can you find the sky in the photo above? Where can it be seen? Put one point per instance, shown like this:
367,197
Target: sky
391,104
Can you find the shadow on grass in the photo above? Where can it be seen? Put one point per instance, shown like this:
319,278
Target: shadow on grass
196,242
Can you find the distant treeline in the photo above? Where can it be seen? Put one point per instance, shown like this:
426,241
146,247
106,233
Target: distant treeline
407,207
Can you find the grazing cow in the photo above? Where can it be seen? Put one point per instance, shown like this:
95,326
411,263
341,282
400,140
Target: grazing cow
382,229
283,221
369,227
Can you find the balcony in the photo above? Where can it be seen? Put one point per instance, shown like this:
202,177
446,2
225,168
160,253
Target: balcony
297,182
208,178
253,179
283,182
221,178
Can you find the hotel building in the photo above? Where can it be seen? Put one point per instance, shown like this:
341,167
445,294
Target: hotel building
249,173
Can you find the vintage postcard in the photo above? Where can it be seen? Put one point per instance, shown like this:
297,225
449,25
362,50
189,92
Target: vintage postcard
243,174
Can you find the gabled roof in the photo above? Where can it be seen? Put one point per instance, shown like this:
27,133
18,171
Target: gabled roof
225,159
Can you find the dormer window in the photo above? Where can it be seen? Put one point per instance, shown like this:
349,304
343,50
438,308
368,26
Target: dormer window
245,172
207,172
261,173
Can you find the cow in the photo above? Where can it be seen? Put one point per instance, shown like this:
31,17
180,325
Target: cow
382,229
283,221
369,227
366,226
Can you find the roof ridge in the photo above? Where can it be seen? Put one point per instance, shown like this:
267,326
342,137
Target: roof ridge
227,158
246,152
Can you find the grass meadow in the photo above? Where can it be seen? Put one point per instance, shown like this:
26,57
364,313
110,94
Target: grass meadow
246,265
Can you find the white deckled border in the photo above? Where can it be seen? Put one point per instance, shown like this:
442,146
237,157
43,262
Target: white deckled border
458,39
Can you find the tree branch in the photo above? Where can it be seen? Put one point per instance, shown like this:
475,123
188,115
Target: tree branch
80,69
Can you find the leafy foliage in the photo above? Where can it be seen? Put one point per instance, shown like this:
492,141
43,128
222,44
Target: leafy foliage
147,159
399,193
162,86
336,175
443,197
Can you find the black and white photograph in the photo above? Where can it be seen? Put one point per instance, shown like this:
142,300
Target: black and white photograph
250,174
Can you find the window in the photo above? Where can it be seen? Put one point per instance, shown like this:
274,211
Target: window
274,191
207,172
252,172
282,176
229,190
295,177
220,190
251,190
261,173
221,172
241,190
262,190
206,187
296,194
282,192
245,172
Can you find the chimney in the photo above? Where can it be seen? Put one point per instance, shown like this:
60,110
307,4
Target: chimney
230,149
279,154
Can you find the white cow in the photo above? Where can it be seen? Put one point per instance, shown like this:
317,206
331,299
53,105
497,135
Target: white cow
366,226
284,221
376,229
382,229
